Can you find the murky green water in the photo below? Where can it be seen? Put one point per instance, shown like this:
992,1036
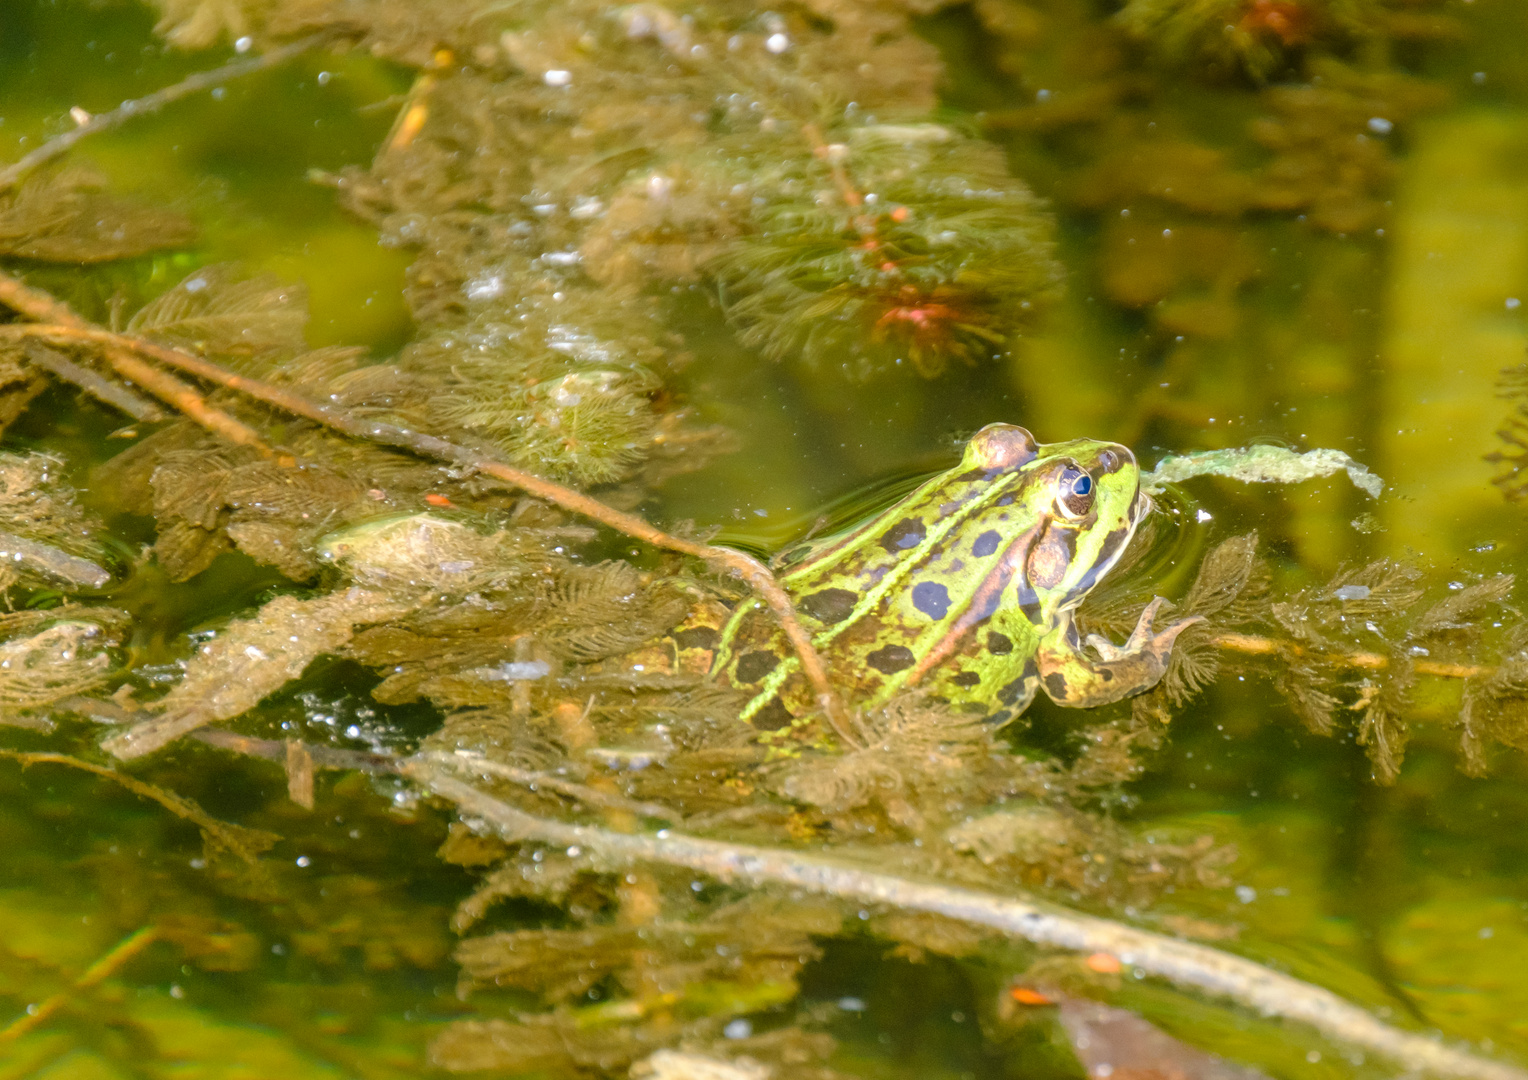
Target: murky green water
1180,329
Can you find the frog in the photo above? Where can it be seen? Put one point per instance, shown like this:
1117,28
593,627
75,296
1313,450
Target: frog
966,589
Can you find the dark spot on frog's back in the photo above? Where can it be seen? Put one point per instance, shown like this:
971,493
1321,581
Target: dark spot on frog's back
751,667
1011,693
772,716
891,659
829,605
904,535
697,637
931,598
966,679
794,555
999,644
986,543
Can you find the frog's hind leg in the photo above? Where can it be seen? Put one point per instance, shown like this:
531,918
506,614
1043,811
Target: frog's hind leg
1074,680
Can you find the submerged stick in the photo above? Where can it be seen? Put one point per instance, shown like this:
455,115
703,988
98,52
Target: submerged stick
1257,645
150,103
60,366
1183,963
94,975
184,398
754,573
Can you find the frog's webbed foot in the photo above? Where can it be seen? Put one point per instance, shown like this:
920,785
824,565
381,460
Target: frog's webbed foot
1122,670
1141,638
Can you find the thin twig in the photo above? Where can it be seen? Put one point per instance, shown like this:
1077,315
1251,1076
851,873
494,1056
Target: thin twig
472,761
1186,964
1256,645
184,398
243,841
62,144
324,757
746,567
57,364
94,975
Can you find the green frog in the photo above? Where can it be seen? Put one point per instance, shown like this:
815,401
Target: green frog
967,588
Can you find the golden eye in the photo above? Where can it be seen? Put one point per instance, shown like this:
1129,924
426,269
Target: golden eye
1074,493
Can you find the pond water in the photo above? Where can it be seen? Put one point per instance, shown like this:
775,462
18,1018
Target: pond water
1299,222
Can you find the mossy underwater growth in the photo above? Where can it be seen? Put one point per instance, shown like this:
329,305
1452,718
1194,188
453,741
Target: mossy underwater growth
561,173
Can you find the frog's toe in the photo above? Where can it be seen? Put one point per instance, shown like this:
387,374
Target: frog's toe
1142,641
1162,643
1105,648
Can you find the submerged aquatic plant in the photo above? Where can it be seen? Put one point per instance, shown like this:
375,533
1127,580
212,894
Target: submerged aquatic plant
1512,385
564,395
67,215
1262,39
891,244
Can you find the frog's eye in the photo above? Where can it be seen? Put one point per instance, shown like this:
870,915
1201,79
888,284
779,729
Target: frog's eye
1074,493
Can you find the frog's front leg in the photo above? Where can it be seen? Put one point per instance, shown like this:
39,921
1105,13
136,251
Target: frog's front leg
1073,680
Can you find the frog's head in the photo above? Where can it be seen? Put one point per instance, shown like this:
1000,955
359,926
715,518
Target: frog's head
1082,501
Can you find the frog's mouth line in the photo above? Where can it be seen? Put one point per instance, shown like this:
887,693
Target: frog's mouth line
1108,554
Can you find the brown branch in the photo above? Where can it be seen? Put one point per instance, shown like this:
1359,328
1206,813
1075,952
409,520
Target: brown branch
746,567
184,398
1186,964
1256,645
128,110
60,366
